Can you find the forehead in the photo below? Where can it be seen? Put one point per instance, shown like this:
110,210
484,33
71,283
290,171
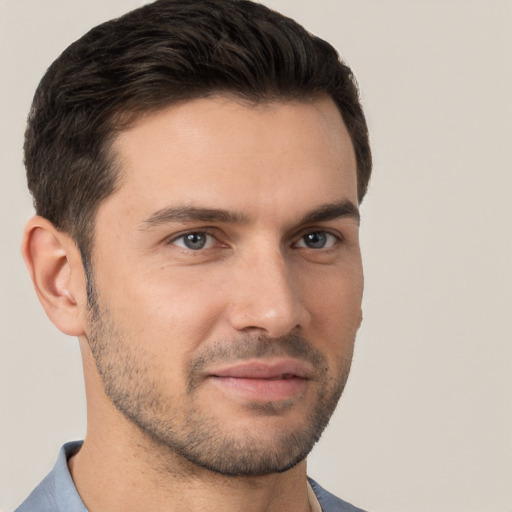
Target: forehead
218,150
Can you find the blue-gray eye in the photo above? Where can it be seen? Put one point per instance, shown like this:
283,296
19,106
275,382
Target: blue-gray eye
317,240
195,241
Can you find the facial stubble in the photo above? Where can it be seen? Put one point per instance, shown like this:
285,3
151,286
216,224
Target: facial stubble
126,368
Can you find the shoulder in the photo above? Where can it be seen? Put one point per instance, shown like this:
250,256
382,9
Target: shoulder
56,493
329,502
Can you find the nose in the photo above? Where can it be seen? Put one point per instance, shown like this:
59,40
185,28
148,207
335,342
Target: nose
265,297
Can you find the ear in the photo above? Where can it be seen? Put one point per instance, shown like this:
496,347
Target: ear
55,266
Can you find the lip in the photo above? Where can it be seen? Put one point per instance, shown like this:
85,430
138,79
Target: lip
265,369
262,381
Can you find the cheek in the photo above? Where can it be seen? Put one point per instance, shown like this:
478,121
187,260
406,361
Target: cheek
159,326
183,307
334,303
333,288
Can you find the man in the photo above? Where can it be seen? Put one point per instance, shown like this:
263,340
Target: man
196,169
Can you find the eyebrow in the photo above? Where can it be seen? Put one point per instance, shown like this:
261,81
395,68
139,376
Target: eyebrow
332,211
329,211
193,214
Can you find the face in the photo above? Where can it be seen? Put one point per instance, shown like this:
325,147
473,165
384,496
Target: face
227,280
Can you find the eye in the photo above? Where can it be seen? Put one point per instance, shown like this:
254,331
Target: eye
317,240
195,241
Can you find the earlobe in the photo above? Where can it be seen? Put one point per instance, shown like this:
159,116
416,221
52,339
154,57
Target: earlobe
55,267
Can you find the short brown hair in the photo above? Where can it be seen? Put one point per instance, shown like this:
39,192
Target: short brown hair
163,53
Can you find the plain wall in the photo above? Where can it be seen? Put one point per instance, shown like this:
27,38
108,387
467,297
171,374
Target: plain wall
425,423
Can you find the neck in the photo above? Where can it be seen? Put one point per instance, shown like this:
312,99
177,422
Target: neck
119,476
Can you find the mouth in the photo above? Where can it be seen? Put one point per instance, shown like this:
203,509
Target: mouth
263,381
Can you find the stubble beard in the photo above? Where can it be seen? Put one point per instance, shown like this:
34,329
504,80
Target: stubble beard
126,371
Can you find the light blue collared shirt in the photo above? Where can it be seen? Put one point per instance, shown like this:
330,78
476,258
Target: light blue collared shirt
57,492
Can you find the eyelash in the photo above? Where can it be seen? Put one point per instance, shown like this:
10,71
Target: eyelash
189,233
335,239
327,234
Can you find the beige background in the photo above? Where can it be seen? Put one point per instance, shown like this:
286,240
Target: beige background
426,421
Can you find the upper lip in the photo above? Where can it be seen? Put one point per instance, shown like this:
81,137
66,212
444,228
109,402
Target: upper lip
265,369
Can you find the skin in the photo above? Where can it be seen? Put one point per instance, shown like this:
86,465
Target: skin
168,320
